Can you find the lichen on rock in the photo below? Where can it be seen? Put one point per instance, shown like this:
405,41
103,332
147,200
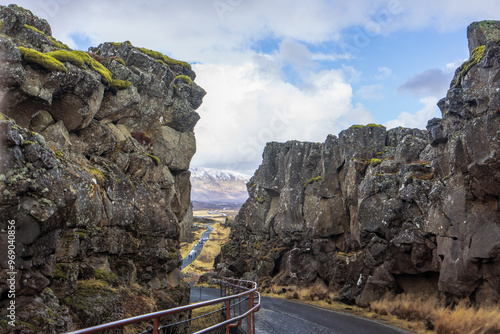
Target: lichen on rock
96,210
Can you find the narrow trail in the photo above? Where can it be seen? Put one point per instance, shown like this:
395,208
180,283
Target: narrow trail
195,252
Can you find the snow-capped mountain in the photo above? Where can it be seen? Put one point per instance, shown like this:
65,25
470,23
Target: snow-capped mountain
216,186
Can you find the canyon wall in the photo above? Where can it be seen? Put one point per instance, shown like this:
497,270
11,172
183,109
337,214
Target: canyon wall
95,151
376,211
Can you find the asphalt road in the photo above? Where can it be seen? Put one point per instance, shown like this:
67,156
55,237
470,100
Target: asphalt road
193,254
283,316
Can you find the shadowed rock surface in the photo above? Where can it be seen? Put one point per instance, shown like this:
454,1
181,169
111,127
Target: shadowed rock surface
95,151
376,211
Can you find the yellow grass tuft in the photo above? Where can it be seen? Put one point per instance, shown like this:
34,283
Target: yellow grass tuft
434,316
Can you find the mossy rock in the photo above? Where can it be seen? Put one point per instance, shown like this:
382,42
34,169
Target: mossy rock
155,159
117,85
106,276
84,61
185,79
165,59
65,271
47,62
94,302
172,253
55,42
369,125
475,58
73,57
375,162
311,180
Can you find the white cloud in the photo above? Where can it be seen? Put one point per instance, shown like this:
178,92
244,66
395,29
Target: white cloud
244,109
246,90
419,118
296,54
384,73
199,30
370,92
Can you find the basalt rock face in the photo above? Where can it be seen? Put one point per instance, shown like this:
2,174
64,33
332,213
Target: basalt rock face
94,175
379,211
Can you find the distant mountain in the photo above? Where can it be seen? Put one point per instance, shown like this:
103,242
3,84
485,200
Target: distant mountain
216,186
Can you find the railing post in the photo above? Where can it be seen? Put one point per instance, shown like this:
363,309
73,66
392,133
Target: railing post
156,324
228,314
249,320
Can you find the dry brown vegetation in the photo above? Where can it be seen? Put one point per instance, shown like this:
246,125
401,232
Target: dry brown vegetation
462,318
416,313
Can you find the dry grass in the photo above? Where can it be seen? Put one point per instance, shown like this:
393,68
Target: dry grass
434,316
318,295
136,301
209,316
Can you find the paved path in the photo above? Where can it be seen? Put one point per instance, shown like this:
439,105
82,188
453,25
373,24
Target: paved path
193,254
284,316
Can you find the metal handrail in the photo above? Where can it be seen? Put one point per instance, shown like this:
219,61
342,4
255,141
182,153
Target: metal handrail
254,306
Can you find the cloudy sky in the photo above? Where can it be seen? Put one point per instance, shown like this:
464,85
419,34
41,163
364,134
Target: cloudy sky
281,70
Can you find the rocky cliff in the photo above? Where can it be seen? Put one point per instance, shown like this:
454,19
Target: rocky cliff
95,152
376,211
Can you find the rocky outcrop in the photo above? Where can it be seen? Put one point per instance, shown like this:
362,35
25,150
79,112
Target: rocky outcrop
376,211
95,151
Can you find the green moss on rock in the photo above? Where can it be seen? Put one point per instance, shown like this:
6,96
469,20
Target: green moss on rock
86,293
59,272
47,62
184,78
165,59
119,84
172,253
119,60
475,58
375,162
73,57
156,160
83,60
55,42
311,180
104,275
370,125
